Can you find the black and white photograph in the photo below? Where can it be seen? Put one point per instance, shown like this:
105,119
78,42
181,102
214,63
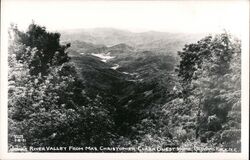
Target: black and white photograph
122,77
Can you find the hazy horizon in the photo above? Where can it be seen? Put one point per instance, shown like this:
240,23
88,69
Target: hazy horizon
74,30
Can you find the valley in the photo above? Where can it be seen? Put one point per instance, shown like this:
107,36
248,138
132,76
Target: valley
137,78
112,88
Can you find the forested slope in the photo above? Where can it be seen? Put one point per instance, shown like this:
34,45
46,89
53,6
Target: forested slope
88,94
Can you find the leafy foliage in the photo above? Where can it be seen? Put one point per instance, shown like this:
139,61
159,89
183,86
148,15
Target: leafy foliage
55,101
47,101
213,78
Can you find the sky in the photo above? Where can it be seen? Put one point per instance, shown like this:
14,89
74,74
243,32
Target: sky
137,16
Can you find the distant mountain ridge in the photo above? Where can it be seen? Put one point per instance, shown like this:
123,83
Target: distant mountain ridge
161,42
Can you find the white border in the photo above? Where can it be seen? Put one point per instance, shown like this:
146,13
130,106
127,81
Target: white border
180,156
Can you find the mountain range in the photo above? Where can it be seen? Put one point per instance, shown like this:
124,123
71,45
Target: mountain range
159,42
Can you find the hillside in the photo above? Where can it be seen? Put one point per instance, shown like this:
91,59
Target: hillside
133,79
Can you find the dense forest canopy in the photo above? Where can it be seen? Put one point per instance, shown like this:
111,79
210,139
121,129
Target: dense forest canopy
58,97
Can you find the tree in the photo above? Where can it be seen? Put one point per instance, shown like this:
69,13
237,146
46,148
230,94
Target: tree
48,103
208,72
48,50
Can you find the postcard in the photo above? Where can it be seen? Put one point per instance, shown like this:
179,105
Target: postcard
124,79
